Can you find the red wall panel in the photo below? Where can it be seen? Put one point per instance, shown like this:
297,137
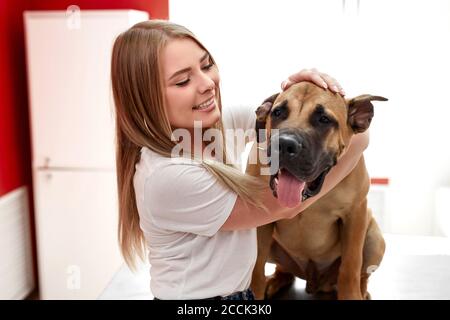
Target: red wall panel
14,131
158,9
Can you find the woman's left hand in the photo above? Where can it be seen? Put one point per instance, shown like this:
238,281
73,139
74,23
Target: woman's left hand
319,78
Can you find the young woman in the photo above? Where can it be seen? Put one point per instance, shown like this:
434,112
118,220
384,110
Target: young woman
197,218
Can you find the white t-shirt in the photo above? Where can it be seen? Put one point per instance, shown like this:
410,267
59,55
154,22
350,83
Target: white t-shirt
181,208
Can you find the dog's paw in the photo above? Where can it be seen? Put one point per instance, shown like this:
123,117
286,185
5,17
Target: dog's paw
276,282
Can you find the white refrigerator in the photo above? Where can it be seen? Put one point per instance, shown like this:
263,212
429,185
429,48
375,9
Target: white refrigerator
73,158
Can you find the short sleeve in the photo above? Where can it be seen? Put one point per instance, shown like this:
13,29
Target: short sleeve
187,198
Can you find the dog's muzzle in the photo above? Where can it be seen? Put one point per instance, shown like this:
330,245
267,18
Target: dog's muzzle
298,166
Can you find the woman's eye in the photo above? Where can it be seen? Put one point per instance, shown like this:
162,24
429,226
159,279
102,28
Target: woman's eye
180,84
207,67
324,119
185,82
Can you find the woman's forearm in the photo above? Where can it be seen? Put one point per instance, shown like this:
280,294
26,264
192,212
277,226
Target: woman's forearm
344,166
244,217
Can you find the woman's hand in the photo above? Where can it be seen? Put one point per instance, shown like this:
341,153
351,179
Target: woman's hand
321,79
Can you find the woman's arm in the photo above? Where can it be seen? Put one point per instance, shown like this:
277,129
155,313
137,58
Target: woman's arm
246,217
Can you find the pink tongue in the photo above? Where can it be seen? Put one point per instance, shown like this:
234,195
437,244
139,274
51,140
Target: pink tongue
289,189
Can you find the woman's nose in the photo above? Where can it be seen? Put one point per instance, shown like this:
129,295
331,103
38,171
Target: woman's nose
206,83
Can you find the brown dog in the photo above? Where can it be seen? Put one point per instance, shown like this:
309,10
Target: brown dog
335,244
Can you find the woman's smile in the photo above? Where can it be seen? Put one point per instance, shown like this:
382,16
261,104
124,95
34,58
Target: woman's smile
206,106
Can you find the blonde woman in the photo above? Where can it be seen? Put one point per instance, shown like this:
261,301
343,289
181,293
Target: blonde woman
197,219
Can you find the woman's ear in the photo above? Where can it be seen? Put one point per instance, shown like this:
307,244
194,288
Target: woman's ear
360,111
261,116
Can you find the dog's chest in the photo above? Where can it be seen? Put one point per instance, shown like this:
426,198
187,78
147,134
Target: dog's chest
313,235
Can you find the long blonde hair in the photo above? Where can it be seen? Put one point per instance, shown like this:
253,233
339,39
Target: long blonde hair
141,120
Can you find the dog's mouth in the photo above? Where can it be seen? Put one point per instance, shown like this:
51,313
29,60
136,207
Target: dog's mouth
291,191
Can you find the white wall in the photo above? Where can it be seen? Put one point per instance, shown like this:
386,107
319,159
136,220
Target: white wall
397,49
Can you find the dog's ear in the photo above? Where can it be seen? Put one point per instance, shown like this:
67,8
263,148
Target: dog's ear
360,111
261,116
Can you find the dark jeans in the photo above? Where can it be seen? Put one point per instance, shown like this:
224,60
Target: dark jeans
241,295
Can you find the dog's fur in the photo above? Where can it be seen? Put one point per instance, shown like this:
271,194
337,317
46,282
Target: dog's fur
335,244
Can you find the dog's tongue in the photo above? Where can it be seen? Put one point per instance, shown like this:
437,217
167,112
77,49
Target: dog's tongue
289,189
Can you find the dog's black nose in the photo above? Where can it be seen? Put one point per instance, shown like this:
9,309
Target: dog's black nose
289,146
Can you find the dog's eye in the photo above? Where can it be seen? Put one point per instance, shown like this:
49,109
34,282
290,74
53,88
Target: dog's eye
280,111
277,112
324,120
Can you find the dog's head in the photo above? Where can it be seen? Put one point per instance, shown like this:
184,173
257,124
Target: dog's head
314,128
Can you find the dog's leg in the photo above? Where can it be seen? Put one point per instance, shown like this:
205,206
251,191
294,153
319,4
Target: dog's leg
279,280
258,284
328,279
373,252
354,227
312,278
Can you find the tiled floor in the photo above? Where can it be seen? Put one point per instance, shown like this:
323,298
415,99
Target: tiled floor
412,268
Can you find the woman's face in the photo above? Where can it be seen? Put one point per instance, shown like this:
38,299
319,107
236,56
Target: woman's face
191,83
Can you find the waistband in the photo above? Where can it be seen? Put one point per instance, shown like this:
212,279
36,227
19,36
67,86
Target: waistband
241,295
